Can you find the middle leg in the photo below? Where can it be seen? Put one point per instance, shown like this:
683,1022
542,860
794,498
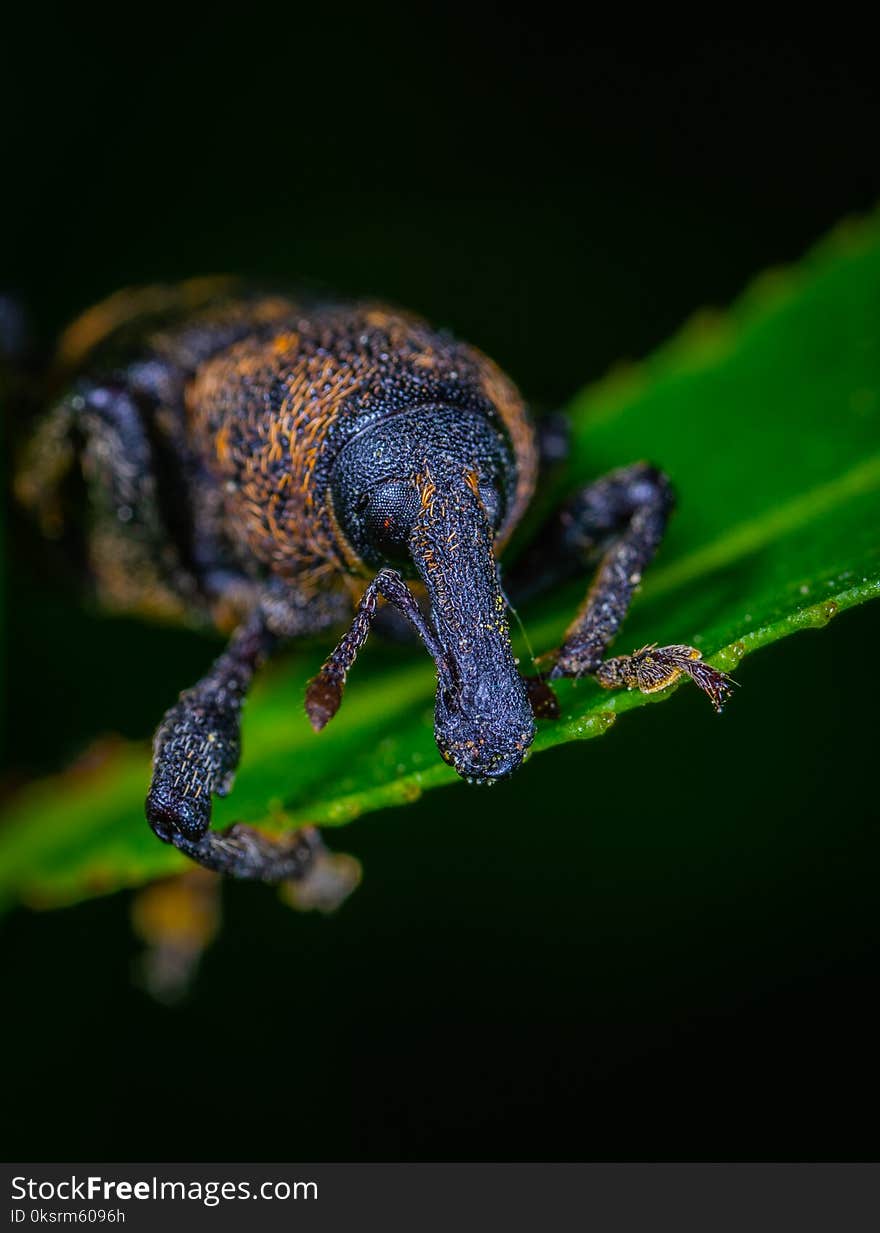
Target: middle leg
622,518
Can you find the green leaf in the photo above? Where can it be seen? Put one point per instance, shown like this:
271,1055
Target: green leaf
767,420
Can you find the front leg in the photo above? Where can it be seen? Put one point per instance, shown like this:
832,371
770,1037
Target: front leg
195,755
198,744
622,516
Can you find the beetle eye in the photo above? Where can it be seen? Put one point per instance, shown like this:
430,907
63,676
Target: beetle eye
390,516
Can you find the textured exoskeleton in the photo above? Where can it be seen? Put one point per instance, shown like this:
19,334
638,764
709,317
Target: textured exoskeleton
272,466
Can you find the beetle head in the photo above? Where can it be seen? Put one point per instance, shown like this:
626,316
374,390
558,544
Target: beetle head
426,492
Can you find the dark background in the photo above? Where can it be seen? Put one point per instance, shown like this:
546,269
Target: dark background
660,945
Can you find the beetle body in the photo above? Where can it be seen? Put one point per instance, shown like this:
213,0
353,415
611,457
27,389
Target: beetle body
268,464
247,404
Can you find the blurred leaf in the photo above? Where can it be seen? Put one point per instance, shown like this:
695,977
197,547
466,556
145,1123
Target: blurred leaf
767,420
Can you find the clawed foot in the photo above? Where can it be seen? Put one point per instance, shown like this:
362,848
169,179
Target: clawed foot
327,883
654,668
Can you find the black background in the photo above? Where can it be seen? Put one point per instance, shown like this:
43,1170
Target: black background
570,970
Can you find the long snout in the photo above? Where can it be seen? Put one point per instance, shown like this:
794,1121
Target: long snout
483,721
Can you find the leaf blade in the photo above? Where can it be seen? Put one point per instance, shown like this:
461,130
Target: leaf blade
766,418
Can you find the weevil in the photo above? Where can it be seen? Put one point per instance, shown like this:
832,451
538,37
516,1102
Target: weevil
275,467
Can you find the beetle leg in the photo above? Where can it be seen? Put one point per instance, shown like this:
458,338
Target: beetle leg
197,746
130,549
622,517
324,691
654,668
195,754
